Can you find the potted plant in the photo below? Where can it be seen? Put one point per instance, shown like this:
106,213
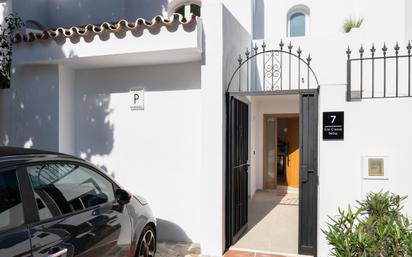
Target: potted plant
352,23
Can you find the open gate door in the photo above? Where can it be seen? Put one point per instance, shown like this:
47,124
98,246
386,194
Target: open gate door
237,169
308,191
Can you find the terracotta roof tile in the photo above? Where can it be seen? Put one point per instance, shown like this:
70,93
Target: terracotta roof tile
82,31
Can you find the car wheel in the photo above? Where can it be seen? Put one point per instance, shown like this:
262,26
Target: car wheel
147,243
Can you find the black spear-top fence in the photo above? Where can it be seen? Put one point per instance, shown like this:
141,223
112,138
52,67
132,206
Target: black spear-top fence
261,69
383,73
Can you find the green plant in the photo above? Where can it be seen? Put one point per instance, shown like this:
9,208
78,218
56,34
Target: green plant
11,23
351,23
376,228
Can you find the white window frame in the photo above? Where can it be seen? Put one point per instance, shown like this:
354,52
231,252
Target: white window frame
299,9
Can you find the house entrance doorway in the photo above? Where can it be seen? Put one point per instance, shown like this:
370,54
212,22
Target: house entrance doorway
271,179
281,151
291,160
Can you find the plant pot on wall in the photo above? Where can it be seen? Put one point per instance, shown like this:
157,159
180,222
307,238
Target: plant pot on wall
352,23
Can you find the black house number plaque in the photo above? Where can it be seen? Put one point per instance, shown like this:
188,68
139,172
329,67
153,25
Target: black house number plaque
333,128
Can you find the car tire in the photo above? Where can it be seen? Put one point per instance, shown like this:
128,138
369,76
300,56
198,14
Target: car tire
146,247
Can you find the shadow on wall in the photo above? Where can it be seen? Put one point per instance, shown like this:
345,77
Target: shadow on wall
146,9
94,106
96,128
30,117
106,10
167,230
40,111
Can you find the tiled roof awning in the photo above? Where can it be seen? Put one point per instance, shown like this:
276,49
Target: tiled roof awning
139,24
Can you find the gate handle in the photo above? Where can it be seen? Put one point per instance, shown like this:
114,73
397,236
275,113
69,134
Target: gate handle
59,253
241,165
305,176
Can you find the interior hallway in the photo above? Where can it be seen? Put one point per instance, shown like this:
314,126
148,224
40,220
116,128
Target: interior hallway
273,223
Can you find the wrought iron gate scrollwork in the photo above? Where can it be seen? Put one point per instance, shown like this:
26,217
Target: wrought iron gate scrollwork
272,70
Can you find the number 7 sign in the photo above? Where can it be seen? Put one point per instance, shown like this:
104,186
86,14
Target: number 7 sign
333,125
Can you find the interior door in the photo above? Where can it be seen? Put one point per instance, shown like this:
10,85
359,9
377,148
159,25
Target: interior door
292,162
308,191
237,169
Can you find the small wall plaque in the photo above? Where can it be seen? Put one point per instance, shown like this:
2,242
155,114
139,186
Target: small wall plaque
376,167
333,128
136,99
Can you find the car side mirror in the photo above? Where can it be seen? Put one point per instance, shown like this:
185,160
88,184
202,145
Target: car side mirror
122,196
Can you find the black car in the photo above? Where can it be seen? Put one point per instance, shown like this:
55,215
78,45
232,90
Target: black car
56,205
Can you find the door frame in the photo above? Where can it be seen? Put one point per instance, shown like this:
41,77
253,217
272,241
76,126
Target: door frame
265,144
228,240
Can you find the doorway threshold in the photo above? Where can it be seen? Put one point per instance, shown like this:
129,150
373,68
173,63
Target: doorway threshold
284,190
241,252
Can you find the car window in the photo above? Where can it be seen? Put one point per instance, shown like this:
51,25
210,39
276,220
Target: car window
64,188
11,208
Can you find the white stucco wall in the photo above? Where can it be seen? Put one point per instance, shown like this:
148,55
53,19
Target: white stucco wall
242,10
372,128
30,10
126,48
284,104
212,165
155,152
57,13
30,113
327,18
60,13
408,21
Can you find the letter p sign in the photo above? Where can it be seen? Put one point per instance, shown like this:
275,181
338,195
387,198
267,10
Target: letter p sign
136,97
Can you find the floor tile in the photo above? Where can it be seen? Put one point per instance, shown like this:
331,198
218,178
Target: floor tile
232,253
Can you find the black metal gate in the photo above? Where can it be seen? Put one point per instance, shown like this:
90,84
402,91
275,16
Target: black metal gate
272,72
308,184
237,169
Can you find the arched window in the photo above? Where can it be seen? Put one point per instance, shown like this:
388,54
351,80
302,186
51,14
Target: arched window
298,21
297,25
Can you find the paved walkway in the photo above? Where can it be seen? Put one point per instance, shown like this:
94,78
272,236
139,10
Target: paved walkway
273,228
273,223
181,249
234,253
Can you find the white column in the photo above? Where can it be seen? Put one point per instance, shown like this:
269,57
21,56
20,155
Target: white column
212,169
66,110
